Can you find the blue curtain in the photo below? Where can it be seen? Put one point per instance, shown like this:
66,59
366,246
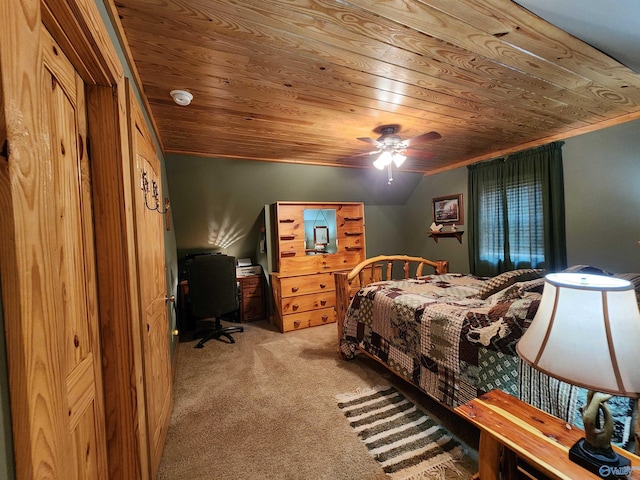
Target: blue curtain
516,212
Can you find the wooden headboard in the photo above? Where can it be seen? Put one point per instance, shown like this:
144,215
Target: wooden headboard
371,270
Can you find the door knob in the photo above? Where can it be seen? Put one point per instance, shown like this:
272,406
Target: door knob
171,298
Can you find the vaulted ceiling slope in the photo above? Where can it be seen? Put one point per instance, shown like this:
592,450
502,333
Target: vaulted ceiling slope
301,80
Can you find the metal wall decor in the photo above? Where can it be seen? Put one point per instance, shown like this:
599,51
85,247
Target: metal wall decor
144,185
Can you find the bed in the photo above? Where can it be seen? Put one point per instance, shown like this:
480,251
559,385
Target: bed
452,335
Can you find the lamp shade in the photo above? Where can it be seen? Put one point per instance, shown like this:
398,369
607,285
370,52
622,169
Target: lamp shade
586,332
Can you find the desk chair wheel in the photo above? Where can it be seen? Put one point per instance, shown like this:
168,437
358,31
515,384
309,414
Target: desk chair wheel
219,332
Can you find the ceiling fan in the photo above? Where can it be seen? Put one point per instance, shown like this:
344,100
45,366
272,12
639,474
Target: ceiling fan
393,150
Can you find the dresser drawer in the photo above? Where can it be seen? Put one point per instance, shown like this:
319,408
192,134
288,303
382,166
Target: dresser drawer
291,230
304,303
252,309
313,318
292,246
303,284
251,281
290,214
251,289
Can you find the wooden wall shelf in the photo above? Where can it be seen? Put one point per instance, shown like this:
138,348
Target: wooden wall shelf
437,235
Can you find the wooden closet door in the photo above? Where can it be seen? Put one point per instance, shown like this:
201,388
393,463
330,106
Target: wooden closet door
51,318
74,257
152,284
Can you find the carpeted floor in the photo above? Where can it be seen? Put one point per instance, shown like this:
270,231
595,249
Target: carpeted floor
265,408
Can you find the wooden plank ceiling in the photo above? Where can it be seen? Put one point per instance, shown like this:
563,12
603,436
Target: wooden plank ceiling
301,80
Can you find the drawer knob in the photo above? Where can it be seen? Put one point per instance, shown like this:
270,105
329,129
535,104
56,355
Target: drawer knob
323,302
296,323
295,289
325,318
295,306
323,285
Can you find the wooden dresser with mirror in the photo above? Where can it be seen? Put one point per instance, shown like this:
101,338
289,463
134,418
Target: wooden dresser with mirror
313,240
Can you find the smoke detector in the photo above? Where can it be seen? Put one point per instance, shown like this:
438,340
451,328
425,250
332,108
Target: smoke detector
181,97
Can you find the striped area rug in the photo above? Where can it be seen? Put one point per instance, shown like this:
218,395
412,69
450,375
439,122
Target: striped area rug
408,444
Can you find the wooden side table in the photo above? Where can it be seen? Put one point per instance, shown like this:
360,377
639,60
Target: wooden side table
512,432
251,298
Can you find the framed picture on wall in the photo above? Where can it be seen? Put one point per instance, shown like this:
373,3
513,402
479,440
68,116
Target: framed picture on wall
448,209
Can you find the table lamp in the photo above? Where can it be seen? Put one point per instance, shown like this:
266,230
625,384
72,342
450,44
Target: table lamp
586,332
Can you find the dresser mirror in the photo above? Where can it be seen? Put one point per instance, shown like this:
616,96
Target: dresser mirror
320,231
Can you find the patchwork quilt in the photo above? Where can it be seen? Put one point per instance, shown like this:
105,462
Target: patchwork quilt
439,334
454,336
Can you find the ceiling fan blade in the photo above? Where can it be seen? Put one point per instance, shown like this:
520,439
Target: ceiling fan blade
368,140
425,137
418,154
357,156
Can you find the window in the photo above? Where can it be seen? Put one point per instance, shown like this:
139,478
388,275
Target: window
522,225
517,212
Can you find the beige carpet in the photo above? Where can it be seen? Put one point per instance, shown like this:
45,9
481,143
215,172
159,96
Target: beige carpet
265,408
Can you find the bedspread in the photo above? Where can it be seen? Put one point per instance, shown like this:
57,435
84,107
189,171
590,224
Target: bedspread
436,333
454,337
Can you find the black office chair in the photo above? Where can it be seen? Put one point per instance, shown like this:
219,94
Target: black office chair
213,292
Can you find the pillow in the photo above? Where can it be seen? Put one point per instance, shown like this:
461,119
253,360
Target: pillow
586,269
634,278
535,286
507,294
506,279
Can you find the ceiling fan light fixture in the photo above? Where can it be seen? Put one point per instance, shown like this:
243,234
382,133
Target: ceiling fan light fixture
383,160
378,164
398,159
181,97
391,148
